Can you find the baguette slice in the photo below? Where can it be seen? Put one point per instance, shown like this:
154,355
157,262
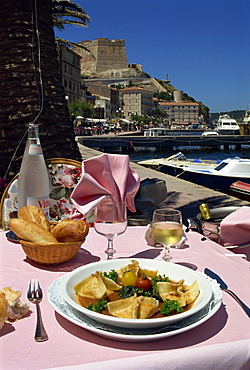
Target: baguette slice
31,232
34,214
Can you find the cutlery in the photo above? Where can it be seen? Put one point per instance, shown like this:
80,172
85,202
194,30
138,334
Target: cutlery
224,287
35,295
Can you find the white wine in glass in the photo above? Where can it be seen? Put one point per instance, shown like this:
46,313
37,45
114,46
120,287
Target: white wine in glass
110,220
167,229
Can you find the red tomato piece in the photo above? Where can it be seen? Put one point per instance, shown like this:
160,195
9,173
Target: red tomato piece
143,283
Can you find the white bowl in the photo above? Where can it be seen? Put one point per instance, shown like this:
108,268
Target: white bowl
174,271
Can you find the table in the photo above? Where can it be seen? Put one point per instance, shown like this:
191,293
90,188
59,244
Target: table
222,342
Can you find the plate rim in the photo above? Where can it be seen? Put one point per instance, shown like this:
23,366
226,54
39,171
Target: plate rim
135,337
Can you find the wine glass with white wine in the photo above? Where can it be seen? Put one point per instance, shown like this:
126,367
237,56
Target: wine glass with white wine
167,229
110,220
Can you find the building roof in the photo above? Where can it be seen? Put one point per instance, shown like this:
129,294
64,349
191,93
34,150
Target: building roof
135,88
176,103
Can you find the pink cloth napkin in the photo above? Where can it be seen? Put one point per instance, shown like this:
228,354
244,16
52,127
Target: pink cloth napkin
102,176
235,228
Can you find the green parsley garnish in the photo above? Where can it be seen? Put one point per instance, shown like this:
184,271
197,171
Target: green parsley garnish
99,306
113,275
170,307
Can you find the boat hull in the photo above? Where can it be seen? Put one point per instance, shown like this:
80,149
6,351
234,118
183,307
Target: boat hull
211,181
240,190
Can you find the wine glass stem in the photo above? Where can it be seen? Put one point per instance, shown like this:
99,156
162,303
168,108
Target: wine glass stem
166,254
110,250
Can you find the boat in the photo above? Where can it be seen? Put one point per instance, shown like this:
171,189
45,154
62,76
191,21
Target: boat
227,126
240,190
155,131
245,125
216,175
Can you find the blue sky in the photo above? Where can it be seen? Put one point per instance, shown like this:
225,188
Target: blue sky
203,45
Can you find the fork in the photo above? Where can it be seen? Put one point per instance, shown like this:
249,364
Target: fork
35,295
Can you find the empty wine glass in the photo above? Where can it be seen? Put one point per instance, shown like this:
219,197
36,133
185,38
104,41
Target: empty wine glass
167,229
110,220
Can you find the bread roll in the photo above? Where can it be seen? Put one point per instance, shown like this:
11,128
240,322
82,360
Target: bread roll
34,214
31,232
3,309
16,309
52,224
71,231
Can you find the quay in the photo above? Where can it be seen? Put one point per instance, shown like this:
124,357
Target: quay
123,143
180,194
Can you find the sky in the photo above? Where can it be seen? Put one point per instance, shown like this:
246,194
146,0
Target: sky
203,45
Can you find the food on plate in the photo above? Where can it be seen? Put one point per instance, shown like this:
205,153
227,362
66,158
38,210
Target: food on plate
11,306
32,226
182,293
34,214
129,278
147,307
95,286
31,232
170,306
126,308
133,307
134,293
70,231
143,282
3,309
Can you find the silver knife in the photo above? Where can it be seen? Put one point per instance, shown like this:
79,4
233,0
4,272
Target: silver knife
224,287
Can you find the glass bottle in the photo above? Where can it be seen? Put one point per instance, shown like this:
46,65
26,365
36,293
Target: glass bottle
33,179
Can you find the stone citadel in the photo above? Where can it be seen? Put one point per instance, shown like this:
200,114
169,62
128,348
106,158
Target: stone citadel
107,58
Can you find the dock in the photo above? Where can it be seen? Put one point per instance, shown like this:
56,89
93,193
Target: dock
180,194
129,143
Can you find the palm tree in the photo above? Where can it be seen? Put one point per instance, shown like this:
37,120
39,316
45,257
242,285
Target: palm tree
31,87
66,12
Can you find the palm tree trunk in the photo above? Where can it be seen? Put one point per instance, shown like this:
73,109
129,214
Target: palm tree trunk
20,98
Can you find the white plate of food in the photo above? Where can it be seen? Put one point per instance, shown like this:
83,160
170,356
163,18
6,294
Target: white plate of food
183,283
133,335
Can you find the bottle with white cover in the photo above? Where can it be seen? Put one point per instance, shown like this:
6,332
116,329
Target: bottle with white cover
33,179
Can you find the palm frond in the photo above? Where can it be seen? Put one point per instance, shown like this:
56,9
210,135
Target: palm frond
68,12
71,44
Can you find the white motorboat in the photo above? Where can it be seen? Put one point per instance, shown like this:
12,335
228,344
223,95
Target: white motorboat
227,126
211,174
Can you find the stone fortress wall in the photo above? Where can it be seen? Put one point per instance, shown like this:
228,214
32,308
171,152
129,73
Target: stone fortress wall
106,55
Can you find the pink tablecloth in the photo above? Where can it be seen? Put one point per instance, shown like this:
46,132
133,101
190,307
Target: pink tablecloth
221,342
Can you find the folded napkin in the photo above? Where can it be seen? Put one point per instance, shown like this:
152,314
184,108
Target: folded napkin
235,228
107,175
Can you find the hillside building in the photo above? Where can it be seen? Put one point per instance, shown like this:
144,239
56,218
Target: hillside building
69,64
181,113
137,101
111,97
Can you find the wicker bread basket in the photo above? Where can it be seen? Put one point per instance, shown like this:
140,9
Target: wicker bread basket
51,254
